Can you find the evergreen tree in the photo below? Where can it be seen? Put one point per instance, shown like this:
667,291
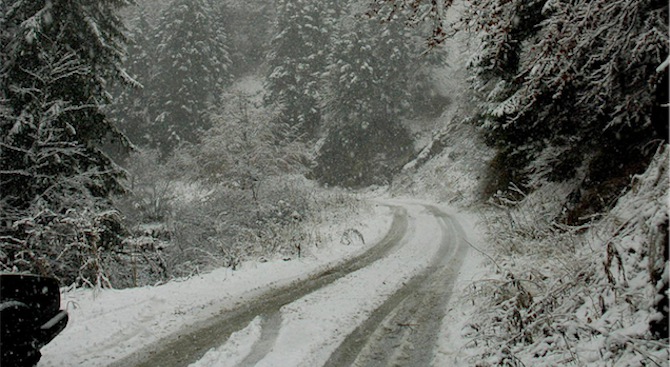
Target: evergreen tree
131,105
427,15
495,66
57,61
191,68
372,67
573,91
297,61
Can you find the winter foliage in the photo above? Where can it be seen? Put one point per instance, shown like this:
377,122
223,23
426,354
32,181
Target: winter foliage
591,295
229,116
572,97
296,61
182,60
572,90
192,59
57,62
372,70
568,90
239,194
248,145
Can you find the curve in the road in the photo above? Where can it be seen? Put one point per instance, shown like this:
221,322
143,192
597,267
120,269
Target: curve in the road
404,329
190,345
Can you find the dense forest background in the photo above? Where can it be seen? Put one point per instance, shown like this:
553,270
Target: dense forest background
149,140
131,130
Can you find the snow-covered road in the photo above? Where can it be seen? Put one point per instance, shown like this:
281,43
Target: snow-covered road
403,330
380,305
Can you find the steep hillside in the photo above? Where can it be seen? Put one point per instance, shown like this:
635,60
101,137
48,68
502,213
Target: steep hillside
577,247
593,295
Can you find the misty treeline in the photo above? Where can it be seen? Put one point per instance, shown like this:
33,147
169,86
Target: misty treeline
339,82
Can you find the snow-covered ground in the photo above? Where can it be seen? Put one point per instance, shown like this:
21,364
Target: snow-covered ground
111,324
313,326
584,296
453,339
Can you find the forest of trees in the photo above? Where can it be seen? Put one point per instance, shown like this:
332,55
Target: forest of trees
107,107
151,139
566,90
572,99
573,92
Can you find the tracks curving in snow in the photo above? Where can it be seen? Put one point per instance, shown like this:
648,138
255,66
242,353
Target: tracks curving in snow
404,329
382,308
270,331
190,345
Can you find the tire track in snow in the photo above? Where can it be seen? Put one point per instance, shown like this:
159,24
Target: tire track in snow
404,329
192,343
269,332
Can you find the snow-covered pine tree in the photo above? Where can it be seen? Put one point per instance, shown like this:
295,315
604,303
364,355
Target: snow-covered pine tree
131,105
296,62
415,13
502,28
192,66
372,67
571,89
57,61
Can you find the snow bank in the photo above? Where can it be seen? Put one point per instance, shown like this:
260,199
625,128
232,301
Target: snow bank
555,295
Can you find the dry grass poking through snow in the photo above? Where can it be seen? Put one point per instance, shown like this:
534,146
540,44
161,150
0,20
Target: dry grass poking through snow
589,296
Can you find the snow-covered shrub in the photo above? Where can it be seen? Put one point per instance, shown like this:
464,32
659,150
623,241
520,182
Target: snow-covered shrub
246,144
229,225
592,295
238,195
74,242
139,262
195,217
150,184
